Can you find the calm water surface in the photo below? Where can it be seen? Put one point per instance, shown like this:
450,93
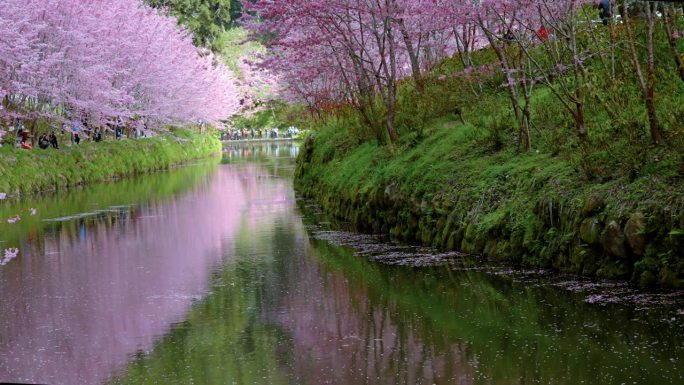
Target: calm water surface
215,274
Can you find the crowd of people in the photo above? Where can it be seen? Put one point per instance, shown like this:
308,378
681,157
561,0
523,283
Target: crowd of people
251,134
77,131
242,134
45,141
80,130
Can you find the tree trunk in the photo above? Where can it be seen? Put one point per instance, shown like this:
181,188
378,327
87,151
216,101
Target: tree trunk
647,88
671,12
579,117
656,133
463,48
525,132
392,81
611,26
578,97
413,56
510,81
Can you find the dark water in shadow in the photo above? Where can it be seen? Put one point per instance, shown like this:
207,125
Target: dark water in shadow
214,274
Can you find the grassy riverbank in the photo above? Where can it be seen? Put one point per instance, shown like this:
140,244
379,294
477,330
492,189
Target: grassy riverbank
529,208
25,172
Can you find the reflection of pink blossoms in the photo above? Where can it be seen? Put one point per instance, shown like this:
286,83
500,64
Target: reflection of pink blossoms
14,219
9,255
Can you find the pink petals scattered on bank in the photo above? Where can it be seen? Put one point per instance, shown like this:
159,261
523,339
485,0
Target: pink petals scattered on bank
14,219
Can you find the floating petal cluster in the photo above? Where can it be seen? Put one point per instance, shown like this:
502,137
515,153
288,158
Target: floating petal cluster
10,254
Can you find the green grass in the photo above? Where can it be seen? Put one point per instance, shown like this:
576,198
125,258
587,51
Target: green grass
25,172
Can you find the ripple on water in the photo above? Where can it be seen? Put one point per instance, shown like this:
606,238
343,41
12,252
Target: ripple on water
82,215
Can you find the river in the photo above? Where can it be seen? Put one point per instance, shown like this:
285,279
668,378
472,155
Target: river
217,274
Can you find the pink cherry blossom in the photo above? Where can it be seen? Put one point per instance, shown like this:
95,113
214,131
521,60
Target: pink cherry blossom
104,60
348,52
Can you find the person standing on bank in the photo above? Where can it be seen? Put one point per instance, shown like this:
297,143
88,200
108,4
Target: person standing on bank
605,13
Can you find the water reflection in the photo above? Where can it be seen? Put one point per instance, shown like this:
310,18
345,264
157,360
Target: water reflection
259,151
226,282
92,287
296,311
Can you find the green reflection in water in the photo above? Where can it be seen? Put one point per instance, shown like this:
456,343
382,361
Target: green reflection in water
520,332
480,328
276,157
220,342
224,339
131,192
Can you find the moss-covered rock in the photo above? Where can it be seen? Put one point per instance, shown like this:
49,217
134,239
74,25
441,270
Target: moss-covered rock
590,231
635,233
455,239
613,240
593,204
490,248
473,242
612,269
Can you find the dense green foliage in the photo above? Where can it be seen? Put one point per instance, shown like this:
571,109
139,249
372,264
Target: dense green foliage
23,172
237,49
273,114
448,190
206,19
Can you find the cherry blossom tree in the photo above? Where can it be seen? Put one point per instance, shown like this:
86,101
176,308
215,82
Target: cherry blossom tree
69,59
356,52
352,51
557,60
